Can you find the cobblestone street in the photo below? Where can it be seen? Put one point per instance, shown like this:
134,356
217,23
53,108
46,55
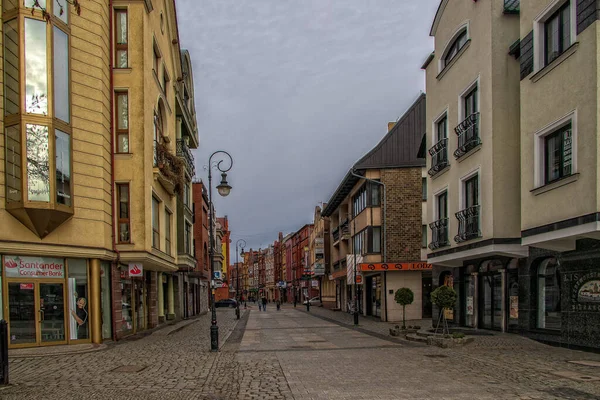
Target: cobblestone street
291,354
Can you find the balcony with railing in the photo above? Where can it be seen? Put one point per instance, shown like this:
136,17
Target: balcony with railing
345,229
468,224
439,157
439,233
185,153
336,235
468,135
169,168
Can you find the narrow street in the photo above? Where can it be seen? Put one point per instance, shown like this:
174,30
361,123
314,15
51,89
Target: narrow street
291,354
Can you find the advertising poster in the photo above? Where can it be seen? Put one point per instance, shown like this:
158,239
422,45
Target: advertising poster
514,307
470,305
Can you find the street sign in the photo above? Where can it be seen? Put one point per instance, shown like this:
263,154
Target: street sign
217,275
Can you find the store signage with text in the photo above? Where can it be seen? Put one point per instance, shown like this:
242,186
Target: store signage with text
395,267
136,270
34,267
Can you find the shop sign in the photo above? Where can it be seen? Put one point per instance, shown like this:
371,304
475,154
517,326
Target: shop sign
350,258
319,269
314,283
395,267
470,305
26,286
136,270
33,267
586,292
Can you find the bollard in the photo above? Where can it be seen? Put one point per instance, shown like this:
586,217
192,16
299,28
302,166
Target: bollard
308,305
3,352
237,312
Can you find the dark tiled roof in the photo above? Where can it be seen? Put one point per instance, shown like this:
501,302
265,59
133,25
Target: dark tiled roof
511,6
399,148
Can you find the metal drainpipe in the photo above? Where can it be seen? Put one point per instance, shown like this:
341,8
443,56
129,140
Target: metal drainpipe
384,232
112,157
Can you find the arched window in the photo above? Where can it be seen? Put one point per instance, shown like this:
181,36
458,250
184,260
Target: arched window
454,48
548,294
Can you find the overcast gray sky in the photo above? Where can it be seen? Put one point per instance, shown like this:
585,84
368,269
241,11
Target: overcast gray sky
297,91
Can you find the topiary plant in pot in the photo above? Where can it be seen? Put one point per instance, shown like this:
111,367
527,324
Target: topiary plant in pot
404,297
444,297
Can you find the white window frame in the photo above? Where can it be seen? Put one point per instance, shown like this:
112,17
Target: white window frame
434,124
436,194
461,187
539,38
461,99
539,155
466,25
191,238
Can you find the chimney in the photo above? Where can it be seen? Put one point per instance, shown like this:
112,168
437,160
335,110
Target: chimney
391,125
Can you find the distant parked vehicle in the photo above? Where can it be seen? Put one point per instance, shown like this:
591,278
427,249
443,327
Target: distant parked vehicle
315,301
231,303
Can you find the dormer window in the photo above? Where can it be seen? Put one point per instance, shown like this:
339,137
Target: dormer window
458,43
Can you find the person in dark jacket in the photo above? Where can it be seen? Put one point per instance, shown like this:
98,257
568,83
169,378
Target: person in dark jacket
264,303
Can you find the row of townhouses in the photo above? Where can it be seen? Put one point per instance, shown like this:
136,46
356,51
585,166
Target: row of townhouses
512,139
488,184
99,232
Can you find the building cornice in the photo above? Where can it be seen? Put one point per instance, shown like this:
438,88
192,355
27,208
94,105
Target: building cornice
438,17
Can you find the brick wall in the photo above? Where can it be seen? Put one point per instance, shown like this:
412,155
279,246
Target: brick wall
403,214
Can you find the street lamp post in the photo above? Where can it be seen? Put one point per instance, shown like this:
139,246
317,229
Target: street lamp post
223,188
237,267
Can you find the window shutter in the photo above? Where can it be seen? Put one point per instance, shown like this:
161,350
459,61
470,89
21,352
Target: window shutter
527,55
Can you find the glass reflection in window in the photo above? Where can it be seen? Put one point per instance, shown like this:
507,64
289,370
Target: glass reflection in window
63,168
11,67
31,3
38,170
13,163
121,39
549,301
60,10
61,75
36,68
78,299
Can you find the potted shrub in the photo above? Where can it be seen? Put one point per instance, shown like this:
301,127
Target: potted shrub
404,297
445,298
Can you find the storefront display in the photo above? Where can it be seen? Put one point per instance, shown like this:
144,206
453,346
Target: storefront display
126,303
47,300
78,299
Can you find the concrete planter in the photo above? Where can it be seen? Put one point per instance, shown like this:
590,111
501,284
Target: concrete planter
448,342
402,332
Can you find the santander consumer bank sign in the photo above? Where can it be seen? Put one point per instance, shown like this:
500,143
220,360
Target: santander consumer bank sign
33,267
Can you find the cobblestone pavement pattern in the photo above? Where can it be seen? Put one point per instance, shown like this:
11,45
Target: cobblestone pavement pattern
291,354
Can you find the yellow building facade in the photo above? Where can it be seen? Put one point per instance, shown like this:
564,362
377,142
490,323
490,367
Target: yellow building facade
96,117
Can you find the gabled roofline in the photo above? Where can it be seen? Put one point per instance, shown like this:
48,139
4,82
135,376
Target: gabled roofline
438,17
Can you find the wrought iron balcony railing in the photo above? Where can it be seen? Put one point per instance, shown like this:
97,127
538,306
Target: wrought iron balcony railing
439,233
184,152
468,224
336,234
468,135
345,229
439,157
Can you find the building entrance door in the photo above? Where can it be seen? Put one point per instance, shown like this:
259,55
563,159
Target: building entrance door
374,296
36,313
491,301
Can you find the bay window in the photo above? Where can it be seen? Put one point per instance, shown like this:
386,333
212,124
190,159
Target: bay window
37,115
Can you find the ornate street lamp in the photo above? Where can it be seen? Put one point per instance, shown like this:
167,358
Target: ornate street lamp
223,188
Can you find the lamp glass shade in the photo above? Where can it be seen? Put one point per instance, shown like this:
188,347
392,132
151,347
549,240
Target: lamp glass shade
223,188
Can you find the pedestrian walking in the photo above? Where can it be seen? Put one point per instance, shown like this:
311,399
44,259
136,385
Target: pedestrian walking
264,303
259,305
278,305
